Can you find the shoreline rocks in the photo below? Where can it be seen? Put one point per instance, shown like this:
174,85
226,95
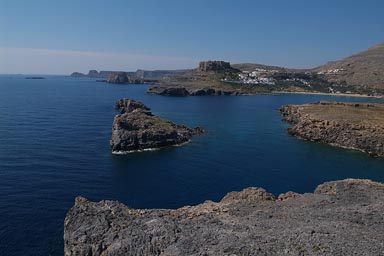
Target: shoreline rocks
357,126
182,91
137,129
339,218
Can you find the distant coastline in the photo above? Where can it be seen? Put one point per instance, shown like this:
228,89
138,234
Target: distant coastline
359,75
334,94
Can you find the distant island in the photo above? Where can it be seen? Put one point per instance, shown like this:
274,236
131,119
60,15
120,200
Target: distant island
34,77
349,125
361,74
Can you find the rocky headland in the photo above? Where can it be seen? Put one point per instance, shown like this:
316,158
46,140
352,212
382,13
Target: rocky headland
349,125
339,218
209,78
137,129
128,78
221,78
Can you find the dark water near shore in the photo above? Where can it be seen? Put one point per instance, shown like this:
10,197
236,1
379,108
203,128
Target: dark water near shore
54,146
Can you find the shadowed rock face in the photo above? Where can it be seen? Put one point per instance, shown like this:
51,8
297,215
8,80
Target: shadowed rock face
118,78
136,129
339,218
351,125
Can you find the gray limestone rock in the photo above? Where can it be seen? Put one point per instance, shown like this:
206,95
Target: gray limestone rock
136,129
341,218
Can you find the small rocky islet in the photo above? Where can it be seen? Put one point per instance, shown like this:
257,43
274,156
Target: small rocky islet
349,125
339,218
137,129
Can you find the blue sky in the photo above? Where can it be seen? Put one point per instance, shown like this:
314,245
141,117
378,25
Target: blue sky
58,37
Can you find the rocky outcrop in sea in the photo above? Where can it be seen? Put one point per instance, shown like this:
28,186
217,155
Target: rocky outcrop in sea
339,218
137,129
349,125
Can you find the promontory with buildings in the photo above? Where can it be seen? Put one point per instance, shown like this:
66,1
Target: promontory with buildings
360,73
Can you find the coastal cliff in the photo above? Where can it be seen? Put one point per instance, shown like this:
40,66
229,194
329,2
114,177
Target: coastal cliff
137,129
339,218
92,74
350,125
128,78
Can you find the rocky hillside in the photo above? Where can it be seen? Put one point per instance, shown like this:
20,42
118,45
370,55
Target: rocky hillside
255,66
339,218
365,69
361,73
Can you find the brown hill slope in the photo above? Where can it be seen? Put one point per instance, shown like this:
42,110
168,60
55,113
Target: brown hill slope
364,69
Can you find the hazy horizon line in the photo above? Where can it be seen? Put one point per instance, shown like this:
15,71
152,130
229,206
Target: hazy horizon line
73,61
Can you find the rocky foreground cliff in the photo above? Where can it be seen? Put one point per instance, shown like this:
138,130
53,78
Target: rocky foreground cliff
339,218
350,125
137,129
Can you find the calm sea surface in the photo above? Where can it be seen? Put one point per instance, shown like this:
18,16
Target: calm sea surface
54,146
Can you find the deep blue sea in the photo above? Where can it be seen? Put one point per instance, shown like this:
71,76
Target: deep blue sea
54,146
